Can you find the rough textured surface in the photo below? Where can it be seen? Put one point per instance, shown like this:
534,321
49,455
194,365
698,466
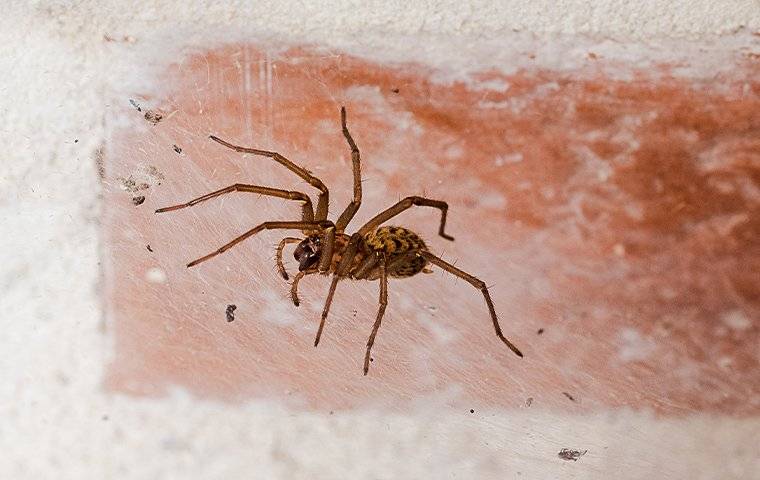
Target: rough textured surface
618,215
67,69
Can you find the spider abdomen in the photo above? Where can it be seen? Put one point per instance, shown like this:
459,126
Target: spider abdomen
395,242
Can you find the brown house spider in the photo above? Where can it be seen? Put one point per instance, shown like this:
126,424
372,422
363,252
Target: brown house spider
374,252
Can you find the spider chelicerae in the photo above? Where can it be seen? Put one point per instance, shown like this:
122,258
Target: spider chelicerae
374,252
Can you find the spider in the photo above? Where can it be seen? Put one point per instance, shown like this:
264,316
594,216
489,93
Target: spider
374,252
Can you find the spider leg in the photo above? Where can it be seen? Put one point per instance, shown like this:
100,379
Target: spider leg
294,287
280,248
365,269
307,216
343,269
328,243
477,283
300,171
350,211
330,293
406,204
257,229
380,312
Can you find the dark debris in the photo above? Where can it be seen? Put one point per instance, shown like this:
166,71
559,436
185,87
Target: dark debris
154,116
231,312
568,454
177,149
136,105
138,200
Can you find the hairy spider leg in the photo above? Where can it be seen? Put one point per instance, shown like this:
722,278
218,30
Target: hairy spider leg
406,204
365,268
294,286
264,226
280,248
307,215
351,209
477,283
323,199
383,302
342,270
328,243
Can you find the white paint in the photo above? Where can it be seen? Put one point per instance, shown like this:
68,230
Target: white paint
155,275
736,320
59,80
492,199
505,159
633,346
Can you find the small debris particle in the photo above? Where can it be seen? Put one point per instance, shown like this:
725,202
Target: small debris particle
142,179
105,418
100,162
177,149
76,140
371,359
138,200
592,55
154,116
529,401
395,90
540,331
331,412
231,312
568,396
129,184
568,454
136,105
472,410
148,247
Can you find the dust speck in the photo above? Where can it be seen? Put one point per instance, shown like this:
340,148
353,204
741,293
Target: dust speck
231,312
154,116
569,454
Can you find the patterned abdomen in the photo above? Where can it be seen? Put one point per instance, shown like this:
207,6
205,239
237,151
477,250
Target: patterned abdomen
395,242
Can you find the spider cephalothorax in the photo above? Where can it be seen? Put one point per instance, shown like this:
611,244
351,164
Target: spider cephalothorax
374,252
